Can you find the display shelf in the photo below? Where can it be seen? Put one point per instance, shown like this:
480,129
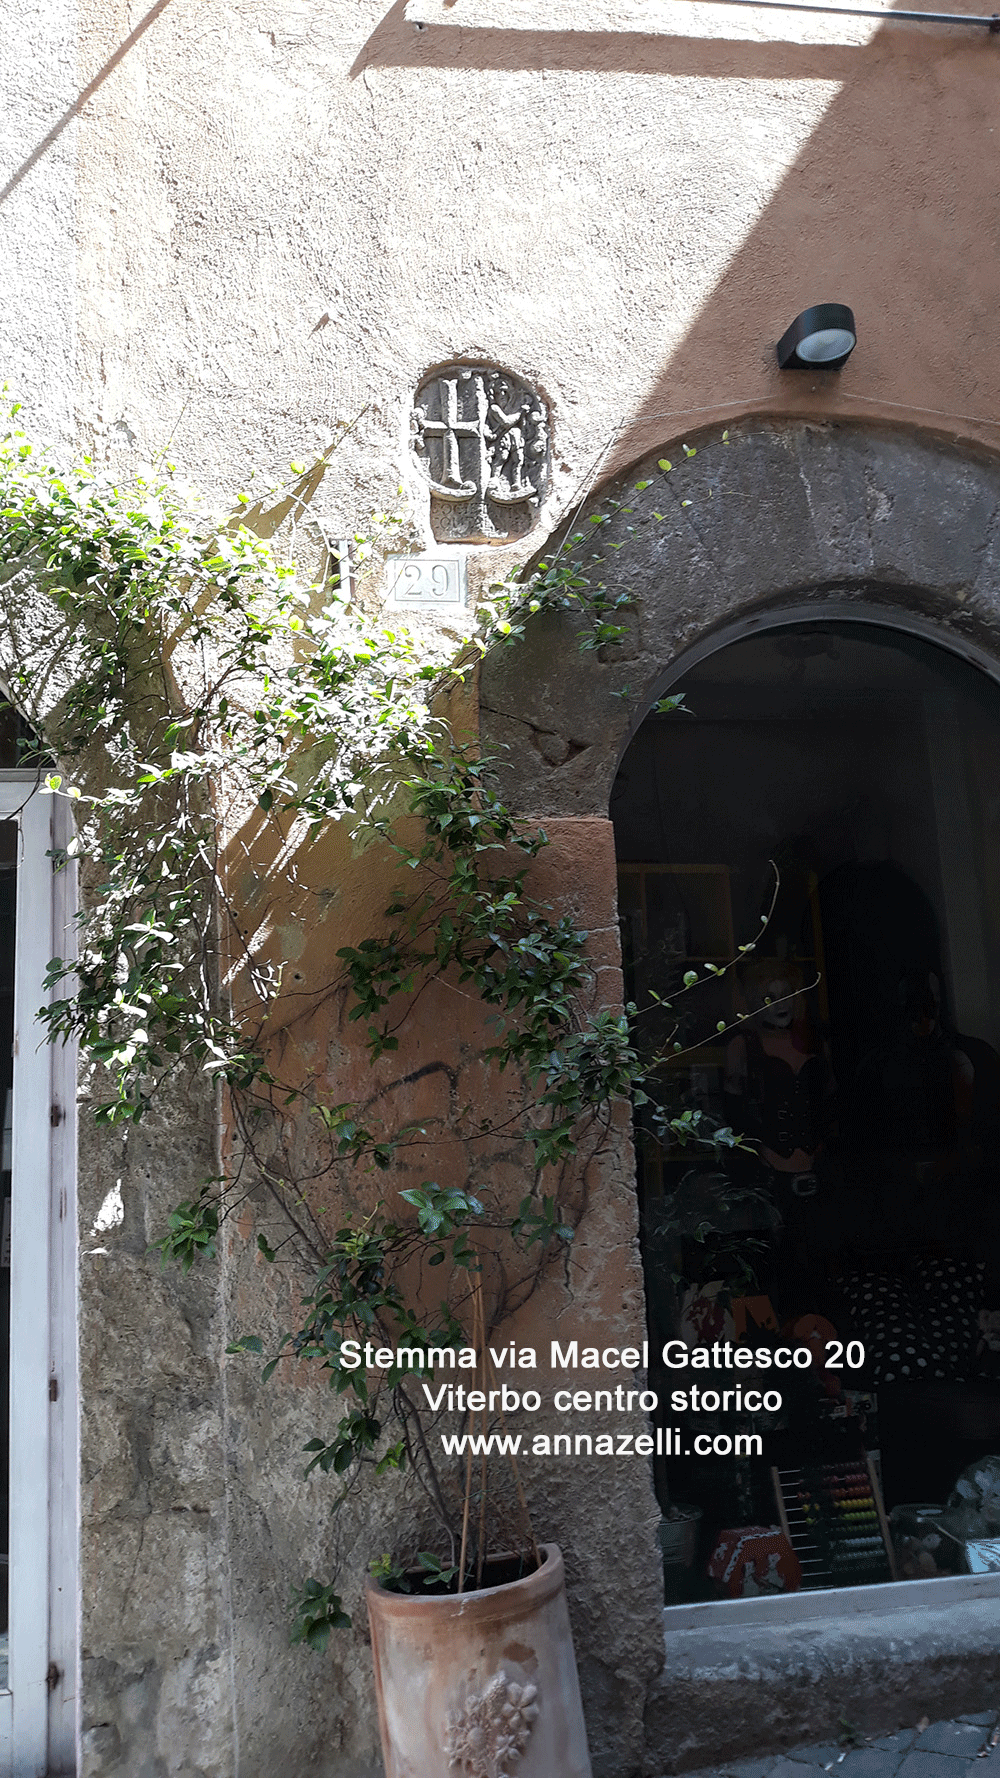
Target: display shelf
696,895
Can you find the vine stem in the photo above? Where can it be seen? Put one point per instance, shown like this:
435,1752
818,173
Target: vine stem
468,1472
480,1326
519,1485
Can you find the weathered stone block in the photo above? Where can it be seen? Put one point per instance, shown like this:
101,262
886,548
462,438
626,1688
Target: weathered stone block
961,1738
933,1765
868,1762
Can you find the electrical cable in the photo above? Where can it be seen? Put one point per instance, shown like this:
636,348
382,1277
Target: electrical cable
991,21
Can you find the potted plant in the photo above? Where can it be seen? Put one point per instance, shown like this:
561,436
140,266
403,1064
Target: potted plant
471,1641
487,1678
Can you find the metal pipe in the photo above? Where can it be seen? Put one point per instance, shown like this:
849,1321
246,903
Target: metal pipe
992,22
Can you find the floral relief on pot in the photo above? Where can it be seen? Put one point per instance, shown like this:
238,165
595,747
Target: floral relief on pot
488,1734
481,1684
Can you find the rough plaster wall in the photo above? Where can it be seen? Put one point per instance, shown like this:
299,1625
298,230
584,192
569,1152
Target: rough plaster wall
38,85
278,226
288,210
156,1655
295,1709
602,1514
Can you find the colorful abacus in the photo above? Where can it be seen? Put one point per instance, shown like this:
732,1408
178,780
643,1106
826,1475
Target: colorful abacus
834,1519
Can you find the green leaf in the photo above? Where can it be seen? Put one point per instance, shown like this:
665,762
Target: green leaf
316,1610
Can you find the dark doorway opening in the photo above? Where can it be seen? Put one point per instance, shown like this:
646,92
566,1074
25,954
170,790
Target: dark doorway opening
817,845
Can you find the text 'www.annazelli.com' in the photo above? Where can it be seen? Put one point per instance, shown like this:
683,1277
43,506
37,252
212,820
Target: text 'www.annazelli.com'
664,1442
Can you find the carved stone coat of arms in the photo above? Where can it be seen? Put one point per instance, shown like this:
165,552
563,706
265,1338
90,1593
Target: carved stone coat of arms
481,440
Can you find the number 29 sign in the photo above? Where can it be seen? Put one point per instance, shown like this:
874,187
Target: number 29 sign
430,581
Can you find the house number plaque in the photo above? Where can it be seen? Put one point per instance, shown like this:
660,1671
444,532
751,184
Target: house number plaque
430,581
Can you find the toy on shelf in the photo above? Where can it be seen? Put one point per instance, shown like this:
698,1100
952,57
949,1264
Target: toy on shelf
925,1548
834,1519
753,1559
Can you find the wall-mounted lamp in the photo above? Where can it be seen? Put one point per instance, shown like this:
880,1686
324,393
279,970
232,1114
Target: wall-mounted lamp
824,335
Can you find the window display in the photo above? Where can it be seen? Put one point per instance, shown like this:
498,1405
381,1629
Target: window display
809,894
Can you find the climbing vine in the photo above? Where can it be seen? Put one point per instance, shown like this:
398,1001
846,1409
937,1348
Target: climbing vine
176,671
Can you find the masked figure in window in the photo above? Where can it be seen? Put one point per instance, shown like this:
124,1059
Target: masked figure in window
780,1094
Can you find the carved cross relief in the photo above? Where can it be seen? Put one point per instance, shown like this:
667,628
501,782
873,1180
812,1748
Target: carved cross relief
480,437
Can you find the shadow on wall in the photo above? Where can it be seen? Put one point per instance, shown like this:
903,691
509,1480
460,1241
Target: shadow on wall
400,42
51,136
891,206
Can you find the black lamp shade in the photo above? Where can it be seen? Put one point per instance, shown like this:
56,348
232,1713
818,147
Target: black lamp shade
821,338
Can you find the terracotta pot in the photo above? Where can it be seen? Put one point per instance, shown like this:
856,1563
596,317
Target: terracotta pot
479,1685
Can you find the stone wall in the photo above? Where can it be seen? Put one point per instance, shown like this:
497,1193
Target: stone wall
762,519
156,1629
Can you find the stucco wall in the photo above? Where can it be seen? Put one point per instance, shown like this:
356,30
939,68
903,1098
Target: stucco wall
287,211
39,83
224,226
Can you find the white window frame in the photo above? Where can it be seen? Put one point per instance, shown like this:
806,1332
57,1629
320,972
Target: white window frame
39,1731
880,1598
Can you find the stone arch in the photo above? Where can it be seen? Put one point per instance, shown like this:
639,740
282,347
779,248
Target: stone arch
770,523
754,524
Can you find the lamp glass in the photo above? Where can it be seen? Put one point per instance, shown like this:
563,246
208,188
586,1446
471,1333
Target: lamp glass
825,344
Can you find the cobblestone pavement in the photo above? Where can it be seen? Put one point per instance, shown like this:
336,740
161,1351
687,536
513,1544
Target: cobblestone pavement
962,1748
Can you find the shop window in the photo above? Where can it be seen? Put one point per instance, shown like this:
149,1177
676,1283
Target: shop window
816,842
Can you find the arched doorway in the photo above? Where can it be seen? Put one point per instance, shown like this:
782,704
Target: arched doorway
768,524
809,855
